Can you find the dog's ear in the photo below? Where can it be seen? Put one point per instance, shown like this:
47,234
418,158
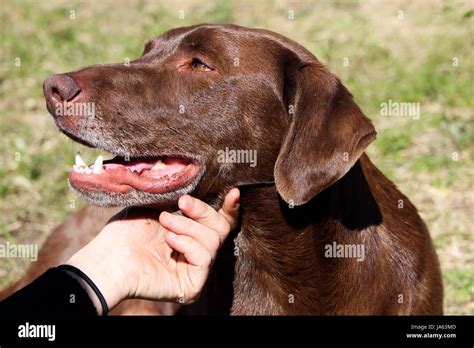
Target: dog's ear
327,132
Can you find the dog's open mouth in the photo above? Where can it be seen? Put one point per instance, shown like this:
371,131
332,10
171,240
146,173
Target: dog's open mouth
158,175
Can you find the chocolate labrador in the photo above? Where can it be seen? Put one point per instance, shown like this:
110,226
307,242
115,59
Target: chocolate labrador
210,107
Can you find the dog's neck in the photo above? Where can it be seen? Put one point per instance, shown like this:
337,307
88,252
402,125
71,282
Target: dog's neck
272,248
349,201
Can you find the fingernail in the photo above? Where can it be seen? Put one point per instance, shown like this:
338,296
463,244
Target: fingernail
172,235
185,202
166,217
236,194
182,202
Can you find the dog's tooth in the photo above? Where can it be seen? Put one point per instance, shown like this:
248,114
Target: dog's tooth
97,168
79,161
87,170
159,165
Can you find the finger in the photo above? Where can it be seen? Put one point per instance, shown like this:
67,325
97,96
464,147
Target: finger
195,253
182,225
230,207
204,214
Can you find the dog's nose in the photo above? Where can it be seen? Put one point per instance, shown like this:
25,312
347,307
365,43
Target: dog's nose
60,88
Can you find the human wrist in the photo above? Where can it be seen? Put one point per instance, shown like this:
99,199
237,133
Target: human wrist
105,278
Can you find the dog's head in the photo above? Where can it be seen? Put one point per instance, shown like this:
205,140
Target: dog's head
206,108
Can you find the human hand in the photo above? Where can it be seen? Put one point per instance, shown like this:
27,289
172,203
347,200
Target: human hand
140,255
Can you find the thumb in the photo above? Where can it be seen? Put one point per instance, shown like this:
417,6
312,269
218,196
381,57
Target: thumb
230,207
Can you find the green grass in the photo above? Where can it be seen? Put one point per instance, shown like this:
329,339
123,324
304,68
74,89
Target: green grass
406,60
459,283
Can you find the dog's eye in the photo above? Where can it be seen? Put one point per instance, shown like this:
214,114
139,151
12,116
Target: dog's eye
199,66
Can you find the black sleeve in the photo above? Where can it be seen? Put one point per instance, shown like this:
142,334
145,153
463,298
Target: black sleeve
53,294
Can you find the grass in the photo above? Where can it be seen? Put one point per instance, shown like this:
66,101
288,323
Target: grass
409,59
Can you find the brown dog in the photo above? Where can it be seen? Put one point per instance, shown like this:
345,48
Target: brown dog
322,230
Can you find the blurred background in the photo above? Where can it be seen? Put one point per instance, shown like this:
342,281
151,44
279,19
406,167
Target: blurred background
404,51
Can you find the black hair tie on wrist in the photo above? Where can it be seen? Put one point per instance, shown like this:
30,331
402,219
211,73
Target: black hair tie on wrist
82,275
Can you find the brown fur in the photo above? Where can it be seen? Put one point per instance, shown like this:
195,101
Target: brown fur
312,186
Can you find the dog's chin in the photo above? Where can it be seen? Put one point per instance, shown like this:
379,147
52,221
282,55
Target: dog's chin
134,198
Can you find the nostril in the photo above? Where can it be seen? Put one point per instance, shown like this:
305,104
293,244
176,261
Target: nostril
61,88
55,93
